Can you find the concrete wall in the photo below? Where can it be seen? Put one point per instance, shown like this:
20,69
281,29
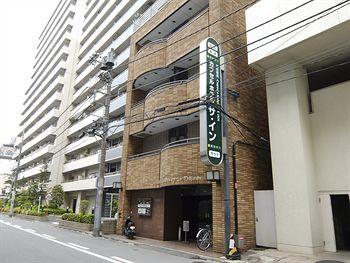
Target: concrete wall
331,137
309,158
265,10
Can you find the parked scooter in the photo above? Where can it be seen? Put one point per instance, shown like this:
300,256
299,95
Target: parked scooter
129,228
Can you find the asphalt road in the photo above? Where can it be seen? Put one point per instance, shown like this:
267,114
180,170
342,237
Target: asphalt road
36,242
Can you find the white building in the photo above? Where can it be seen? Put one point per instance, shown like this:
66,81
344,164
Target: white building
64,79
308,91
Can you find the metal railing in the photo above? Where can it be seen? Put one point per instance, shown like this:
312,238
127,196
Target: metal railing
149,13
177,143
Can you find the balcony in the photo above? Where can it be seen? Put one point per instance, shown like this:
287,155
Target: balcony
82,92
117,105
81,124
68,22
50,118
168,166
105,28
66,12
156,102
52,102
94,83
41,153
117,45
167,49
112,154
90,183
32,171
46,135
116,129
114,29
100,12
81,163
95,70
35,104
57,70
66,35
90,6
149,13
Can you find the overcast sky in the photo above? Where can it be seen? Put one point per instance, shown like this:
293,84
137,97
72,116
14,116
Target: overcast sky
21,22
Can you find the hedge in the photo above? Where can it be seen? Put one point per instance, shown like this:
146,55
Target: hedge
80,218
55,211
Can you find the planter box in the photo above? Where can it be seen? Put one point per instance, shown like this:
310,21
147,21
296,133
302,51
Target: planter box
33,218
75,225
108,226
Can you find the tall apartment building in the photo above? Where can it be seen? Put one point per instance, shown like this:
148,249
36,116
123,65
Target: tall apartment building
66,96
107,27
163,177
44,115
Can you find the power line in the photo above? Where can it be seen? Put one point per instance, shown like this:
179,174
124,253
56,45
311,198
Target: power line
233,50
224,17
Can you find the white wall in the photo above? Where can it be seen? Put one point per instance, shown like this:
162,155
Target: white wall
265,10
331,137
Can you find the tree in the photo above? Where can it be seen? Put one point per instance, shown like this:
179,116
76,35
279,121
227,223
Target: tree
57,196
84,205
38,186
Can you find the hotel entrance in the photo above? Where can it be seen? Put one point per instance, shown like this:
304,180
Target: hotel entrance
187,203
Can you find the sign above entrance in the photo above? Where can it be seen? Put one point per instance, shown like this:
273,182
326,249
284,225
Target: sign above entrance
210,90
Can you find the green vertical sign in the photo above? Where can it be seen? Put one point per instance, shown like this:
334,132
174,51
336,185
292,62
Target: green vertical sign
210,90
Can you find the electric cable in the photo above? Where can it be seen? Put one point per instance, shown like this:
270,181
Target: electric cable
269,35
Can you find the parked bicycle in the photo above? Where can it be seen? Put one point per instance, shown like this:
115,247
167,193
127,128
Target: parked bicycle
204,238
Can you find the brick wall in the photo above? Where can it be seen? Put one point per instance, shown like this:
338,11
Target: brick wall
253,167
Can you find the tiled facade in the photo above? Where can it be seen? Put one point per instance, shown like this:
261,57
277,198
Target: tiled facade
151,168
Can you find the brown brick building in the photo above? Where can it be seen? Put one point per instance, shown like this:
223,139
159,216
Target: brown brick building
161,162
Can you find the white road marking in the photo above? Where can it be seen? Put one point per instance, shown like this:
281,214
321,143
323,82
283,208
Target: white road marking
76,245
72,247
55,223
30,230
16,226
122,260
45,235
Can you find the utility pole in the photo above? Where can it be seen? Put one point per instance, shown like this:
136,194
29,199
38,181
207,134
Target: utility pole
106,76
13,190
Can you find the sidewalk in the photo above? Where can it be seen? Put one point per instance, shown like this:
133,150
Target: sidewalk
190,250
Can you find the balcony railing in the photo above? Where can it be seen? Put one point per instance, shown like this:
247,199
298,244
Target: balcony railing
169,145
149,13
90,183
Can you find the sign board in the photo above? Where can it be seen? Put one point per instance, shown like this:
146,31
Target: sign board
144,207
186,226
210,115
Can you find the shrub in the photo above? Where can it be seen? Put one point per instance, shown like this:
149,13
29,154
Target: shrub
54,211
80,218
84,205
17,210
34,213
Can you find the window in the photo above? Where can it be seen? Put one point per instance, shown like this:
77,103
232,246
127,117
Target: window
178,133
113,167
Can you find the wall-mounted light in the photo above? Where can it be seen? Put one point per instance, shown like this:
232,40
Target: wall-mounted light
213,176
